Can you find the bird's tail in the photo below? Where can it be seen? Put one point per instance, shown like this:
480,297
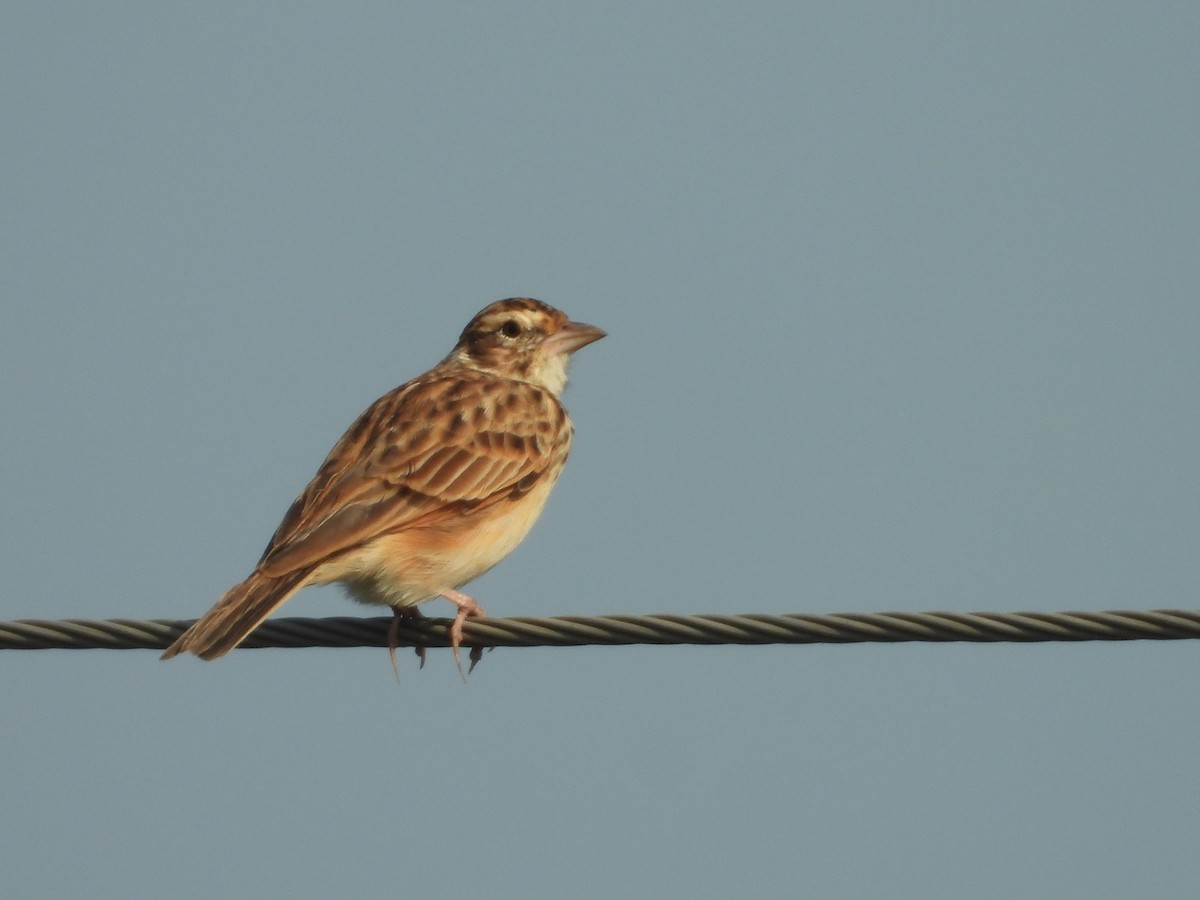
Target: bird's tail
235,615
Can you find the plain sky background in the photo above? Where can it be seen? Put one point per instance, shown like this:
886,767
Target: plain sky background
904,314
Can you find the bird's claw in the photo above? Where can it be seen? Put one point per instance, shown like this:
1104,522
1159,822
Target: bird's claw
466,607
398,615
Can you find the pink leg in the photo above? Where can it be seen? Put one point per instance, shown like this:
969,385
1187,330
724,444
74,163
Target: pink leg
466,607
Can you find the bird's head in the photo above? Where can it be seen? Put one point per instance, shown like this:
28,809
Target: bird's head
525,340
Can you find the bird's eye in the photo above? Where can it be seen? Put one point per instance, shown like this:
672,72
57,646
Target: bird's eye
511,328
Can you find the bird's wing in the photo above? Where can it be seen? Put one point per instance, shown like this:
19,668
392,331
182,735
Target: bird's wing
431,450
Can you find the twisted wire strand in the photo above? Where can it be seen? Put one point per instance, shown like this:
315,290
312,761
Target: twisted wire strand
575,631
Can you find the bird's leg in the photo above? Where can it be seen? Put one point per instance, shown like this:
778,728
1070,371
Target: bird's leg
400,614
466,607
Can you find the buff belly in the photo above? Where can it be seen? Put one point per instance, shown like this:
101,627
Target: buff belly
419,564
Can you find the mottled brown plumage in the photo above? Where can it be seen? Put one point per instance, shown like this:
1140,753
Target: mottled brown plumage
432,485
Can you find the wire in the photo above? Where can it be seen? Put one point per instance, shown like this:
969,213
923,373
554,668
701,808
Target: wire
573,631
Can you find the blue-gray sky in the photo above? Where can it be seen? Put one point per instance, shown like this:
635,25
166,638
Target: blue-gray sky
904,313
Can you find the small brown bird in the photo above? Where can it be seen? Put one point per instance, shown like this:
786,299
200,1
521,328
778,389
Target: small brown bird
433,485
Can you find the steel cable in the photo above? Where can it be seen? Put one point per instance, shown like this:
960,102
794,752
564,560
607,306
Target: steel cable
573,631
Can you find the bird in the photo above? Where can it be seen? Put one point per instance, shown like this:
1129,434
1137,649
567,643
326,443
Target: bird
432,485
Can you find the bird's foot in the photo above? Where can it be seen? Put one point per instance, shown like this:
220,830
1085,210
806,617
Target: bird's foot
401,614
466,607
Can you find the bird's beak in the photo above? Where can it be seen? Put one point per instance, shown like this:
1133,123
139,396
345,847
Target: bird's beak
574,335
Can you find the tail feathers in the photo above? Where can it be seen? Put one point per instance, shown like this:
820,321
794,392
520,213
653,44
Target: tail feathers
235,615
